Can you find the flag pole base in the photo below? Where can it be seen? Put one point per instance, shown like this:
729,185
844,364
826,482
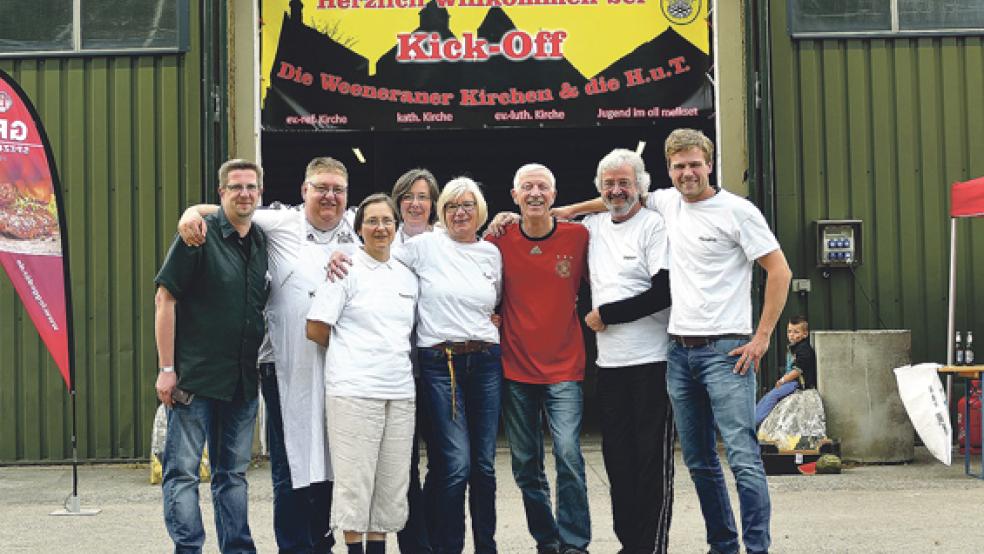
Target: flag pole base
73,508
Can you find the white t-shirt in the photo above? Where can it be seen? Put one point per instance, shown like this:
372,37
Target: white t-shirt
460,286
371,314
622,258
402,237
298,254
713,244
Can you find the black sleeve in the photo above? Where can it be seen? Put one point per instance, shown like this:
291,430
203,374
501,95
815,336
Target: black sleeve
655,299
805,360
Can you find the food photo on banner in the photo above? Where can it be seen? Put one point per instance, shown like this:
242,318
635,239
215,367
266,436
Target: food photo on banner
465,64
31,242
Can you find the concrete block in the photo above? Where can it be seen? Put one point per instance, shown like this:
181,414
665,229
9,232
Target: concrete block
860,395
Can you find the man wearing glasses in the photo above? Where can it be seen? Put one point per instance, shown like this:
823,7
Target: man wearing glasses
291,367
630,293
209,326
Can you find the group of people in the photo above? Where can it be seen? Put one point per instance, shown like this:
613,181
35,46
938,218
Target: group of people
427,331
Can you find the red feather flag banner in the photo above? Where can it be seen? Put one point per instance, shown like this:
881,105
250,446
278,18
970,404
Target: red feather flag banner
32,224
34,243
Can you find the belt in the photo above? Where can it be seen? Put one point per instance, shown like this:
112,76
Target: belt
466,347
695,342
451,349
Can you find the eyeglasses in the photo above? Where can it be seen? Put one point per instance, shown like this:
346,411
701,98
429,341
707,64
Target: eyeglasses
621,183
325,191
380,222
467,205
238,188
410,197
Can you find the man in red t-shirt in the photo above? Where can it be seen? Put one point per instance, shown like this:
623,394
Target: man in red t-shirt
543,262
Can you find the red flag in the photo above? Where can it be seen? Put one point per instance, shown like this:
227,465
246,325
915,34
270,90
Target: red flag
32,245
967,198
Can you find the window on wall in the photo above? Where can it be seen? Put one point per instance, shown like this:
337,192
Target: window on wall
832,18
33,27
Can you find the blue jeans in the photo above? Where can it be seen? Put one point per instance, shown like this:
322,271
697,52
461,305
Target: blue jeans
563,403
464,443
300,516
705,391
228,427
771,398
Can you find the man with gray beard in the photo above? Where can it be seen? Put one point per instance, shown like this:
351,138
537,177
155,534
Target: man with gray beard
628,261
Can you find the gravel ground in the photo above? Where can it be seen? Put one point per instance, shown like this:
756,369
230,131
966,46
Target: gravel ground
919,507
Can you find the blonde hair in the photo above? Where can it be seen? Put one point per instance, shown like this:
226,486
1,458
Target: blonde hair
685,139
453,190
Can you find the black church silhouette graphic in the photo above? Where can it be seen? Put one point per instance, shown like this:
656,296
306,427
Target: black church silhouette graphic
319,83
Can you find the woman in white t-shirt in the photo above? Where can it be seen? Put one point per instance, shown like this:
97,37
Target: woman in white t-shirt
460,362
416,192
365,321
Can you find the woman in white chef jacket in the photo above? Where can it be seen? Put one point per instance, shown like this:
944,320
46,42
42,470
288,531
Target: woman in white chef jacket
365,322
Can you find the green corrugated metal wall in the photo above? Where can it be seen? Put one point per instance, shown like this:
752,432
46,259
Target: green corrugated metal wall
126,133
877,130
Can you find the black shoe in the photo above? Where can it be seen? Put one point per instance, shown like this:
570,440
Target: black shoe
548,549
572,550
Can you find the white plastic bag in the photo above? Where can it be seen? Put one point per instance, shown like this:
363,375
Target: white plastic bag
924,400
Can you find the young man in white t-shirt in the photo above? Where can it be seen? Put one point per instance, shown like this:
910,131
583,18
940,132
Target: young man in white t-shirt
715,238
628,265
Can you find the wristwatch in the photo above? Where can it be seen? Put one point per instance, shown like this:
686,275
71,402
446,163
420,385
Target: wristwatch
167,369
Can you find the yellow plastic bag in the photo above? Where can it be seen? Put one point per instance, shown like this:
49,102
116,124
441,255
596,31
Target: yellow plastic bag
157,472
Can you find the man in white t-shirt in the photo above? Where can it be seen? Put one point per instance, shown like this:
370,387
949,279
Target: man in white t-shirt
628,264
716,237
300,241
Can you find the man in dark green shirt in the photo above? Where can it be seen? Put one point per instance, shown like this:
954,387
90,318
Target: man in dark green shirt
209,324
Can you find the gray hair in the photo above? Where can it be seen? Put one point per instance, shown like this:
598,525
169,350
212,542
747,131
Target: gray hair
534,168
621,157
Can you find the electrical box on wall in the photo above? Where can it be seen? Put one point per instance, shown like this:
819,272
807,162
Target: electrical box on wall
838,242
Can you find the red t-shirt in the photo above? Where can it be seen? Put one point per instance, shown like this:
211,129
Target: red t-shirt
540,334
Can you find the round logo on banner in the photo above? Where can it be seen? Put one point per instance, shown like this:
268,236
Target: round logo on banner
5,102
680,12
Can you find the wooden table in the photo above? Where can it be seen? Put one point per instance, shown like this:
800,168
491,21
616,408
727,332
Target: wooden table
967,372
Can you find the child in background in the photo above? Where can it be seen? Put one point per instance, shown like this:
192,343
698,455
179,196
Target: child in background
801,368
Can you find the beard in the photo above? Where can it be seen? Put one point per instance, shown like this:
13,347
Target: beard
630,201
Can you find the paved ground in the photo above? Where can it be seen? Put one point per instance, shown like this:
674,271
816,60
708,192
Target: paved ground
918,507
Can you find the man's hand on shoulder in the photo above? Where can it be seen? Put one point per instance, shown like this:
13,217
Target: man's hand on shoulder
337,266
499,223
192,227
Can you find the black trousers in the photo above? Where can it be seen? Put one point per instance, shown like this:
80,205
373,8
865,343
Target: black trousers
637,438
